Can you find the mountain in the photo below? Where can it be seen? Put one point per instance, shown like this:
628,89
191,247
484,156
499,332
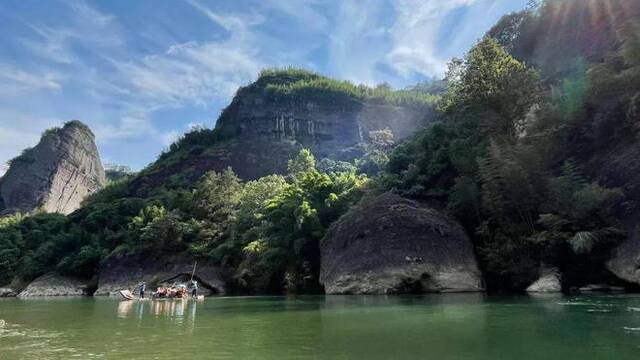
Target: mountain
55,175
523,173
165,209
283,111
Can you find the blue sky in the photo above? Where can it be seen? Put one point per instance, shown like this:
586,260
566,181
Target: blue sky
140,73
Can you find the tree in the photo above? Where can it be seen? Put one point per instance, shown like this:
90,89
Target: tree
303,162
285,242
246,229
217,197
377,147
493,84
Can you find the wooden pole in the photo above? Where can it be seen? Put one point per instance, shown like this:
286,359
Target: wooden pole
193,272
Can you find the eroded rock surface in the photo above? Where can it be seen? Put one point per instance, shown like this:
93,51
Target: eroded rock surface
625,262
262,132
393,245
549,281
55,175
53,284
125,272
7,292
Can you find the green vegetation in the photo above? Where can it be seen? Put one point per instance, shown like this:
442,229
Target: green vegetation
26,157
293,84
285,233
266,231
117,172
526,121
511,155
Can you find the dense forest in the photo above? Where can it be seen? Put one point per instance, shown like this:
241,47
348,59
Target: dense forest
521,134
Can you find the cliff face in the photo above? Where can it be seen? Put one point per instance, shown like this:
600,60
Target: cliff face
56,175
328,129
262,129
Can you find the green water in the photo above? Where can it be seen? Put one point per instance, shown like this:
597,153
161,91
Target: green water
466,326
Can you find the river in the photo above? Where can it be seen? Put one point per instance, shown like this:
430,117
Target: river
439,327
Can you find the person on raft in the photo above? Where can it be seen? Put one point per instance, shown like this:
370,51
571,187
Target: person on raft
142,286
194,289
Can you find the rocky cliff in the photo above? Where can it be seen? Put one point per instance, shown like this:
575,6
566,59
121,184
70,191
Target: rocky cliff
331,126
392,245
269,120
53,284
619,168
125,272
55,175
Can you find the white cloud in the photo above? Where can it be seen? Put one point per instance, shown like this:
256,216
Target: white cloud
90,64
304,11
189,73
357,42
15,80
415,33
119,103
87,14
87,26
365,39
124,128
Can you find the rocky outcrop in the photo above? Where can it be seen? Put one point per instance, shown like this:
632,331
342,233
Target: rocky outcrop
53,284
549,281
619,167
55,175
126,271
328,130
8,292
260,132
625,262
390,244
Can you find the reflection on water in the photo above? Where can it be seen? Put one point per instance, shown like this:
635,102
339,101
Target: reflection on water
170,309
463,326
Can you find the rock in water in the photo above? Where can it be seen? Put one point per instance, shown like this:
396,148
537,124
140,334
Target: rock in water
53,284
391,245
549,281
55,175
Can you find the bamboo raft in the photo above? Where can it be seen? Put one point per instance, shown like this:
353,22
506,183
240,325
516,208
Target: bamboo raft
128,295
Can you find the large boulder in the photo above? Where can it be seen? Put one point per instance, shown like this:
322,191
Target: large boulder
55,175
126,271
619,167
549,281
390,244
625,260
53,284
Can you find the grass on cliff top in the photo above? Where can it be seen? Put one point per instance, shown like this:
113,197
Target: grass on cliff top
299,84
